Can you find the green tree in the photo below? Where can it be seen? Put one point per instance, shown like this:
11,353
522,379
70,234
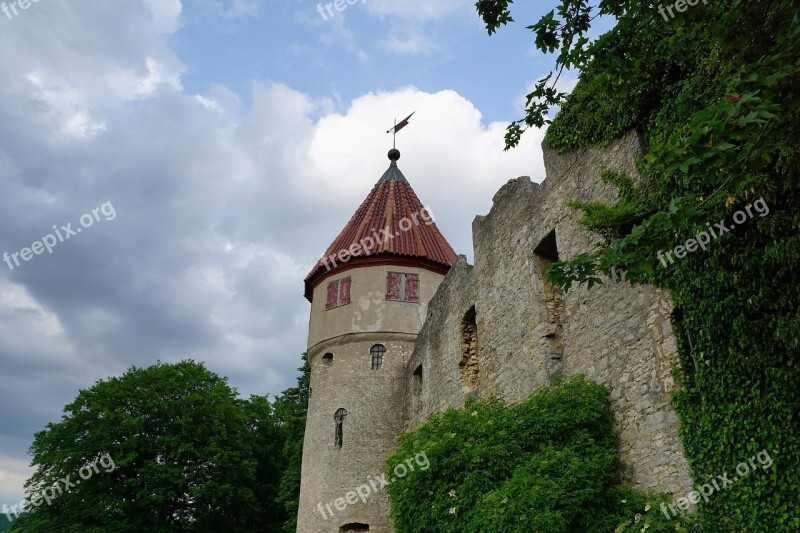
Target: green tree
291,409
20,523
267,440
176,451
714,90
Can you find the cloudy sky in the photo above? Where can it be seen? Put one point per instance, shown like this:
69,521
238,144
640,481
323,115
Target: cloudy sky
222,145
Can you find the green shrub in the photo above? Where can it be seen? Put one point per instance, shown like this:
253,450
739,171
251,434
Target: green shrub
548,464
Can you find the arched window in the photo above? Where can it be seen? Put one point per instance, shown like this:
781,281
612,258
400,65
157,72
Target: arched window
338,418
327,359
377,352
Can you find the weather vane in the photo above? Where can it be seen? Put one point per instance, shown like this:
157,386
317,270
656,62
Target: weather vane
397,127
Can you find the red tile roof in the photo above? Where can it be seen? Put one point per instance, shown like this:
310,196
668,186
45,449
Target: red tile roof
396,221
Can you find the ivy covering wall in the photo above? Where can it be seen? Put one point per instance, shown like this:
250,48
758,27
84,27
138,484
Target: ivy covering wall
714,92
717,104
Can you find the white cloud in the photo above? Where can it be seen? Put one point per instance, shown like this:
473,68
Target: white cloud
13,473
64,107
83,58
128,85
335,32
166,14
415,43
26,326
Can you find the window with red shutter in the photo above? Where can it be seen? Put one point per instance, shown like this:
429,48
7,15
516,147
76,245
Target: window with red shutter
412,288
344,291
333,289
393,286
338,293
402,287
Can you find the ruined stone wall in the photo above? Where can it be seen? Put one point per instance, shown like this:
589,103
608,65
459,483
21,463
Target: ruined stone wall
527,331
433,370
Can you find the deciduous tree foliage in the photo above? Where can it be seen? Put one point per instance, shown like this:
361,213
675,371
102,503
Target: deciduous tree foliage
189,456
291,409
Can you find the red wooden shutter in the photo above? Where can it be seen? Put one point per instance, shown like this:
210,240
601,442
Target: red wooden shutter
333,288
412,287
393,286
344,290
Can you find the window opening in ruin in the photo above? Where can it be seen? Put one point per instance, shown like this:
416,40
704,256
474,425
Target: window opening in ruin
417,388
547,254
469,368
327,359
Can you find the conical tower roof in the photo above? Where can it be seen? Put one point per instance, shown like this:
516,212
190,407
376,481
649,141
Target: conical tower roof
390,227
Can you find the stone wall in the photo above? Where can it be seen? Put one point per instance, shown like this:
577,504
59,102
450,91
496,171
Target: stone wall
438,350
527,330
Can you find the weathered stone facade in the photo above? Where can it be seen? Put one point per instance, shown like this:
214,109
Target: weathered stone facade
527,330
495,328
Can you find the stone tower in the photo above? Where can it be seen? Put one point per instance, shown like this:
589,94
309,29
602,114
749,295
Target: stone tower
369,298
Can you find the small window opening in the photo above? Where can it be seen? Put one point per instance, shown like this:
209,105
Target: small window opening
416,388
327,359
418,380
355,526
546,254
338,418
469,368
377,352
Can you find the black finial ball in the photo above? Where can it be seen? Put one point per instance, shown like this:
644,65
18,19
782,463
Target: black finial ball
394,154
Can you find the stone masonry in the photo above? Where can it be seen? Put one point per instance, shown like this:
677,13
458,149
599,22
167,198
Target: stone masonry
526,330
